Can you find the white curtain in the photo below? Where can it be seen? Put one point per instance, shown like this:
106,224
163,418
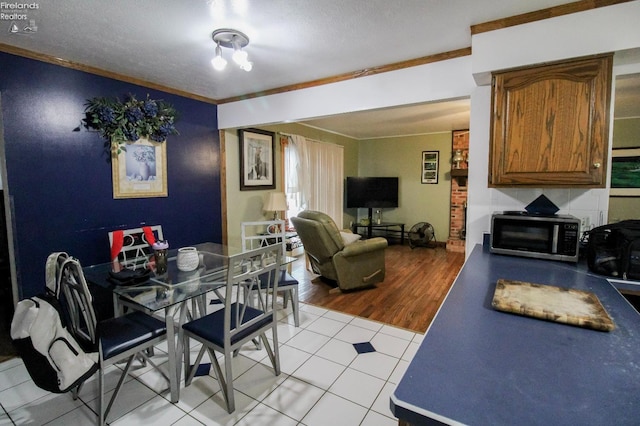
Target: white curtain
297,183
314,177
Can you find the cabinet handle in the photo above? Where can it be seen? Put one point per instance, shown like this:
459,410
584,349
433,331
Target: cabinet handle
596,165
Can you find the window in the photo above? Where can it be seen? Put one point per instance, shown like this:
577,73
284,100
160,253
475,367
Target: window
314,177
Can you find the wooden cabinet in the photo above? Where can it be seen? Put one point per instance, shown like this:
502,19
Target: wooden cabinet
550,125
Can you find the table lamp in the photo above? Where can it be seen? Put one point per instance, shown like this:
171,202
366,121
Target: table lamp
276,202
457,158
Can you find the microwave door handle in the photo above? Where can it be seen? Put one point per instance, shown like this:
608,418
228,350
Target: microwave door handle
554,244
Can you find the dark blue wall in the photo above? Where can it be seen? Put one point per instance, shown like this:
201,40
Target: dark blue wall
60,179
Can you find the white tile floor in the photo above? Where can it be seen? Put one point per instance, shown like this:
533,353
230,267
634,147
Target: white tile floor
324,381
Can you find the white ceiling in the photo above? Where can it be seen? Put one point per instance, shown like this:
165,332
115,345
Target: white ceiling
168,42
400,121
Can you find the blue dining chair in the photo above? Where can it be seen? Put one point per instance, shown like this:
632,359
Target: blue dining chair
116,339
241,320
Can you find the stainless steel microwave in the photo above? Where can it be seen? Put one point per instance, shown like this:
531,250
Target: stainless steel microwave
554,237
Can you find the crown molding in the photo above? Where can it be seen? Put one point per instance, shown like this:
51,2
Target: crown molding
98,71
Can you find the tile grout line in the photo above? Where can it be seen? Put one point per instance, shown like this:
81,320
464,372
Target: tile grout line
326,391
285,321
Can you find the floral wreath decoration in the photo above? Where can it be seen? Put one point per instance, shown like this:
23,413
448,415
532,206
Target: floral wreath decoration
121,122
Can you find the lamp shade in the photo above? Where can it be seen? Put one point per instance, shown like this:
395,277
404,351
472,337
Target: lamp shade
276,202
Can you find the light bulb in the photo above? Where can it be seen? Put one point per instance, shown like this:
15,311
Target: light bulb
218,62
240,57
247,66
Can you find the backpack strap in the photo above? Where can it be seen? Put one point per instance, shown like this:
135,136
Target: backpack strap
52,268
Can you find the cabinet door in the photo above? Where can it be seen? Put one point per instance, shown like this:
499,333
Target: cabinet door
550,125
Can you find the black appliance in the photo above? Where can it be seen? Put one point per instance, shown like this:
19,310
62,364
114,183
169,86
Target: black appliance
554,237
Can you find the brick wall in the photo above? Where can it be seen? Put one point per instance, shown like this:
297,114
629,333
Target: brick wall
455,242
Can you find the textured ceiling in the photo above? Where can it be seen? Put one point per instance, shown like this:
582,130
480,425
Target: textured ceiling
400,121
168,42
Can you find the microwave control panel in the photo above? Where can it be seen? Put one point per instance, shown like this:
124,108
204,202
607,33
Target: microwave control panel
569,239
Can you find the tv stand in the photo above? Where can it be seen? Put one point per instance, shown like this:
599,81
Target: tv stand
384,226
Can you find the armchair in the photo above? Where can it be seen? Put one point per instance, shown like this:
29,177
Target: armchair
356,265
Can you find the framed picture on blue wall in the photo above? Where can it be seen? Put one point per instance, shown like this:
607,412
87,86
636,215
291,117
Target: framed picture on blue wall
257,159
140,171
625,172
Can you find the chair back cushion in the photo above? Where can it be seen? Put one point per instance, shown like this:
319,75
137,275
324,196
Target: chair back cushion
324,233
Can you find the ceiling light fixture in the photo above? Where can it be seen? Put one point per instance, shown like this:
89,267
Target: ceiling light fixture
233,39
218,62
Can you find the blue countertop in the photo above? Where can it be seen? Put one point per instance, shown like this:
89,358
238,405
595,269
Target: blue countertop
480,366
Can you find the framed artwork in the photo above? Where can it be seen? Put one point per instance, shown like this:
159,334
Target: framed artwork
430,166
257,159
625,172
140,170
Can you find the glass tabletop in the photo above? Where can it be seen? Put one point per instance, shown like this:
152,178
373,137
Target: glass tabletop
159,291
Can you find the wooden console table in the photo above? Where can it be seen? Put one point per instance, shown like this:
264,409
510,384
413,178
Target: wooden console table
384,226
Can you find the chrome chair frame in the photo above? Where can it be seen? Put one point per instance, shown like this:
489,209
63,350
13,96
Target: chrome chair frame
273,232
237,323
116,339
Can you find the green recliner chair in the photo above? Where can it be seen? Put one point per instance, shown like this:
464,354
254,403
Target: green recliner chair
356,265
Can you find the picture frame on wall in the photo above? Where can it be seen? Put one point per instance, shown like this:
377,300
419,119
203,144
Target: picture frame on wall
257,159
430,165
625,172
140,170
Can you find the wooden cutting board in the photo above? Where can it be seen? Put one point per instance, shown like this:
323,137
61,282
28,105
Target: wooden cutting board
568,306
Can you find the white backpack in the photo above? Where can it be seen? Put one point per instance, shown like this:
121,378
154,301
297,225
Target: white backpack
54,359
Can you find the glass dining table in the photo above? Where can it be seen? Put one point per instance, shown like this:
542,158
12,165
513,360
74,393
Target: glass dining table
169,294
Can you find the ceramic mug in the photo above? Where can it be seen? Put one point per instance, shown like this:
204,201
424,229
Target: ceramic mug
188,259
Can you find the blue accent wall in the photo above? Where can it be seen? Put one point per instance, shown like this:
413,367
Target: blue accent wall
59,177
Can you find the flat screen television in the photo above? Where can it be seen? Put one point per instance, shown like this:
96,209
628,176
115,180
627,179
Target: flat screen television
372,192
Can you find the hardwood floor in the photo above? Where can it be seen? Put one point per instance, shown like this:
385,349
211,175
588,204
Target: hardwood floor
416,282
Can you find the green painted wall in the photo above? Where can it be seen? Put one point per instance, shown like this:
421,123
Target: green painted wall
402,157
626,134
243,206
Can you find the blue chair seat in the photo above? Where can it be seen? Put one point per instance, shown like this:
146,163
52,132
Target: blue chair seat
227,329
211,326
117,335
284,280
289,285
118,339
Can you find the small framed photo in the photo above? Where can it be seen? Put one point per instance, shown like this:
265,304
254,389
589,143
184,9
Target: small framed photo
257,159
430,166
625,172
140,170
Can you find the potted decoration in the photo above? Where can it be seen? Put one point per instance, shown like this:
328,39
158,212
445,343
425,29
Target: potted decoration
120,122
